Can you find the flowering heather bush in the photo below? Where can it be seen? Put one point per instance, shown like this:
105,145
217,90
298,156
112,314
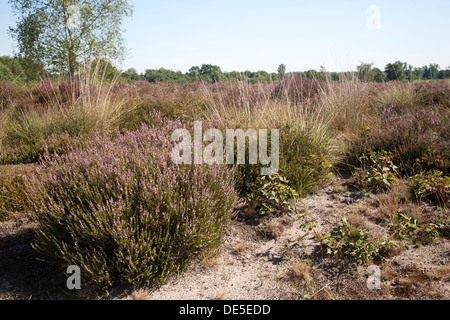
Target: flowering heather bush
409,134
63,92
434,93
173,101
124,213
299,89
70,109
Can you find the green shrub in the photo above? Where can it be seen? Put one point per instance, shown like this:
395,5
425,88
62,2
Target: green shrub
303,162
433,186
432,159
273,194
410,229
123,212
304,159
377,170
348,241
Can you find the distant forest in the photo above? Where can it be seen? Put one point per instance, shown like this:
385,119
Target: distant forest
15,69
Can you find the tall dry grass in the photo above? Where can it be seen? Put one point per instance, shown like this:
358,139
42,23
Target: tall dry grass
291,106
62,112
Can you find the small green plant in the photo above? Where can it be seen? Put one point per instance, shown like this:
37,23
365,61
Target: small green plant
348,241
431,160
273,193
409,229
404,227
433,186
306,226
377,170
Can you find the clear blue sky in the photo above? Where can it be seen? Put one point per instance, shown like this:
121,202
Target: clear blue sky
261,34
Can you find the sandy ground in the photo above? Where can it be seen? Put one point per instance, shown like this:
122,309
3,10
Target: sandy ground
251,266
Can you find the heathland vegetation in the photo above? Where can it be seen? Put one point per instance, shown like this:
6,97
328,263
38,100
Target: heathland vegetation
85,153
101,185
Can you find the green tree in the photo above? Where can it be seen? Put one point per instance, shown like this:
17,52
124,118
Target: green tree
431,71
194,72
105,69
324,74
444,74
395,71
408,69
160,75
312,74
263,76
131,74
14,68
281,71
62,34
211,73
378,75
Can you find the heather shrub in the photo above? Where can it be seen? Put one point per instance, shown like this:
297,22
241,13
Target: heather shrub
415,136
124,213
49,93
27,132
6,91
434,93
298,89
170,100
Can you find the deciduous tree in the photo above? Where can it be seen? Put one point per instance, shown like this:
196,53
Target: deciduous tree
62,34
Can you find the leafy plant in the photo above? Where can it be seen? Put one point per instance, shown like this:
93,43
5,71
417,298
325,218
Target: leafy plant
377,170
433,160
273,193
348,241
433,186
307,226
410,229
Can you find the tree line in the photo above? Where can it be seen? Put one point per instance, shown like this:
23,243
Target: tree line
59,38
366,72
24,70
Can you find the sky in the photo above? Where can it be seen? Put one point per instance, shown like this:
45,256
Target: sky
239,35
